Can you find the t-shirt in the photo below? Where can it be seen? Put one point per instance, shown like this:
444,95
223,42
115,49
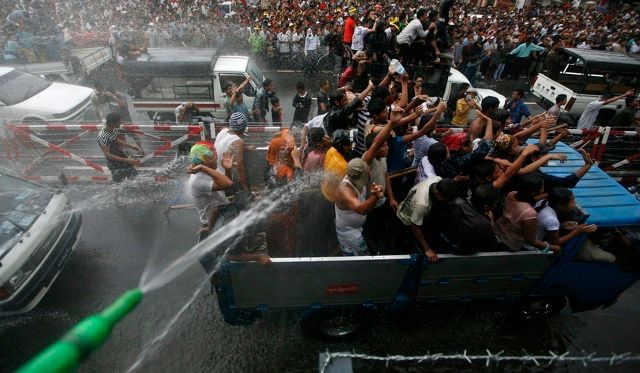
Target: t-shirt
425,170
203,195
335,167
397,154
547,221
417,204
509,225
322,99
302,105
554,110
461,119
316,122
588,117
357,42
314,161
421,146
110,140
378,171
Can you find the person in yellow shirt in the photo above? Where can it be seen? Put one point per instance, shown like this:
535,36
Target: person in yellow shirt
335,163
464,107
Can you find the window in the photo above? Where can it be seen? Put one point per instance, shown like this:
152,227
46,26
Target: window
178,88
17,86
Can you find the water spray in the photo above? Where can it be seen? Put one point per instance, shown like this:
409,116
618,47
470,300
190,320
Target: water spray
87,336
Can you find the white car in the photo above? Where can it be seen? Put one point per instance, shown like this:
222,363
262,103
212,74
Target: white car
26,97
38,232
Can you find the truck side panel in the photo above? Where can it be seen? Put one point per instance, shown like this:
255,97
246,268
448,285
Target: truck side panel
485,275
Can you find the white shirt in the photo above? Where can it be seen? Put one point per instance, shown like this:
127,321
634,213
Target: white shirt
295,38
283,41
311,43
223,140
357,42
425,170
203,196
411,32
316,122
588,117
547,222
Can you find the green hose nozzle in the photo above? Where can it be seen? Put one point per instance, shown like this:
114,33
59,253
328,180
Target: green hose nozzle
66,354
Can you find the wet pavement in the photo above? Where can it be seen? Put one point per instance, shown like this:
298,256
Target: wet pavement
119,243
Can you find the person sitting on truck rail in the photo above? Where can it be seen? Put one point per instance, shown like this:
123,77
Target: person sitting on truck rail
562,201
416,207
517,225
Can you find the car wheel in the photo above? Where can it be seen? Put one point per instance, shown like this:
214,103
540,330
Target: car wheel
538,308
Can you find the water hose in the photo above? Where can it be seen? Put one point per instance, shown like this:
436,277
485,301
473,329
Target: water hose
87,336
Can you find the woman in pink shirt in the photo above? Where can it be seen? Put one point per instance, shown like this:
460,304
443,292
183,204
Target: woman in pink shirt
517,225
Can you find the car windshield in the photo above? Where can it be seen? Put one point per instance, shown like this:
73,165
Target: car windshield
17,86
21,202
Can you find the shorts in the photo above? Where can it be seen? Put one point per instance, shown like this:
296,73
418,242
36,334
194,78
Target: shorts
353,244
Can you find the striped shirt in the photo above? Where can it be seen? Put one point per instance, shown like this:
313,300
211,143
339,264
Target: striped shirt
363,118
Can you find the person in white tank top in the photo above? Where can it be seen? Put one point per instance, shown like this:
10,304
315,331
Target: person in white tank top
230,140
352,206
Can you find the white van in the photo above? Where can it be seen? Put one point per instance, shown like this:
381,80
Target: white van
38,231
26,97
457,80
164,78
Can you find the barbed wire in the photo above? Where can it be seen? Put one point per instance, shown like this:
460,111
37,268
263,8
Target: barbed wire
488,358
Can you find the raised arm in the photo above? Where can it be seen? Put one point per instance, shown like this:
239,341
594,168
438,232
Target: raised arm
614,99
427,127
512,170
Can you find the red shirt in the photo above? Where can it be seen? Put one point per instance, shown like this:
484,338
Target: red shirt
349,27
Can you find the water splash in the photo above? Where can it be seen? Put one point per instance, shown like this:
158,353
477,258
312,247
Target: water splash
231,230
153,344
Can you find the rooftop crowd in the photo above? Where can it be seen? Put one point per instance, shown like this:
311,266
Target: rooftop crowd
249,26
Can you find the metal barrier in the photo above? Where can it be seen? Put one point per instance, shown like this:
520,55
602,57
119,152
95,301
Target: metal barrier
45,152
42,152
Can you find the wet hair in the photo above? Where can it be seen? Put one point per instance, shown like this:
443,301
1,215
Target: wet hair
559,197
113,119
528,187
450,189
274,100
421,12
560,98
335,98
266,83
485,195
227,86
489,102
437,154
520,92
376,106
484,169
300,86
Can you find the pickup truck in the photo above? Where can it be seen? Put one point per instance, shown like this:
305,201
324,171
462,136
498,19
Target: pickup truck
585,75
163,78
80,62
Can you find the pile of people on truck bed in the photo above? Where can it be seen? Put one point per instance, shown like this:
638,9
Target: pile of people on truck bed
385,185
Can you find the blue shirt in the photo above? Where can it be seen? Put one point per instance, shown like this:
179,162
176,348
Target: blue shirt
396,159
517,110
523,50
240,108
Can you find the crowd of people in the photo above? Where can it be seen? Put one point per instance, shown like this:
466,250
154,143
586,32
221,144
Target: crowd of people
480,190
275,31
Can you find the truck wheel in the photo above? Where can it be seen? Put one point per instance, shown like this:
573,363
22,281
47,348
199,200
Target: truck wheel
335,325
538,308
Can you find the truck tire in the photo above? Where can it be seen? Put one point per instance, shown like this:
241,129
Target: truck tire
335,325
538,308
